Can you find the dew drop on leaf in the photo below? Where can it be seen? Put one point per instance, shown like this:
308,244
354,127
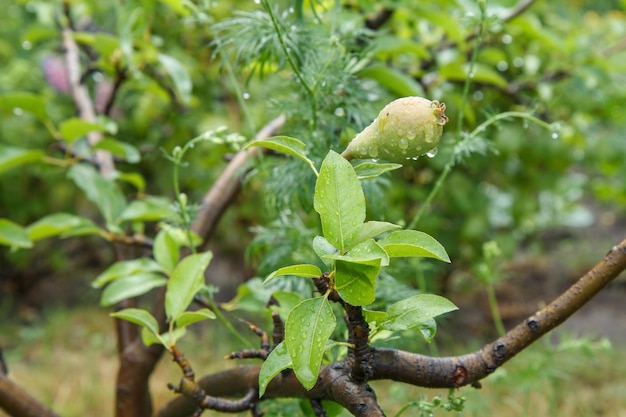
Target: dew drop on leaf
432,153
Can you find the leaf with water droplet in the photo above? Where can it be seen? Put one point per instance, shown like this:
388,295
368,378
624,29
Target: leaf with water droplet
355,279
316,316
416,312
277,361
339,200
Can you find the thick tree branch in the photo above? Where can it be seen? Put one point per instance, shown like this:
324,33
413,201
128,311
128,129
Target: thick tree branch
335,383
17,402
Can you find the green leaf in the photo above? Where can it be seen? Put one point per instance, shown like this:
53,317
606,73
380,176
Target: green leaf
57,224
28,102
393,80
126,268
355,280
150,209
11,157
99,190
285,144
302,270
12,234
413,243
369,170
181,7
191,317
105,44
322,248
413,312
179,75
286,300
428,329
373,229
121,149
75,128
372,316
166,251
133,178
140,317
186,280
307,329
482,74
340,201
369,249
130,286
278,360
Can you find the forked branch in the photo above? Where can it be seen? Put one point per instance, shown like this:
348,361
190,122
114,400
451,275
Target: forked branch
415,369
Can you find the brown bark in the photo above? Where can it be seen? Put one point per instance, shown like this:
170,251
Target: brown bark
17,402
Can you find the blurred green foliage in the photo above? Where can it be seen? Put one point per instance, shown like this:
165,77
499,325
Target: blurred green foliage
185,68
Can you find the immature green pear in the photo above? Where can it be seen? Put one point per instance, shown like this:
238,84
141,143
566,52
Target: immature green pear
405,128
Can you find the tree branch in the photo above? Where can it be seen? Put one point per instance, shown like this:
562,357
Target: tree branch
17,402
80,95
228,184
335,383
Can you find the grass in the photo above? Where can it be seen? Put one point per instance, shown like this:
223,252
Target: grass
68,360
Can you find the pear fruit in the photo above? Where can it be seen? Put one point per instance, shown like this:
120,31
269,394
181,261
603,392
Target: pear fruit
405,129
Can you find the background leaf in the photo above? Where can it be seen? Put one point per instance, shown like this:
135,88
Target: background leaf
415,311
99,190
12,234
28,102
130,286
186,280
413,243
11,157
166,251
75,128
57,224
126,268
179,75
190,317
